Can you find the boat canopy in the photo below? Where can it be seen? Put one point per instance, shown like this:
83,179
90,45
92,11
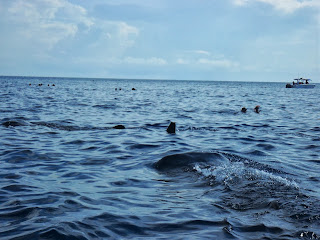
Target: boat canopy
303,79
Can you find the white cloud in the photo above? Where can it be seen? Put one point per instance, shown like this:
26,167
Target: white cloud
240,2
202,52
221,63
145,61
45,23
202,58
182,61
40,21
127,34
286,6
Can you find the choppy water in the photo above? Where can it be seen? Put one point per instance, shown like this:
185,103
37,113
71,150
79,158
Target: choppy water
66,173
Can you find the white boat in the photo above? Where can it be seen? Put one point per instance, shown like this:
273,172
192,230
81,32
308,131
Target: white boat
300,83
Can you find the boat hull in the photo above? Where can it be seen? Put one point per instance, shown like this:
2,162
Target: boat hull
300,86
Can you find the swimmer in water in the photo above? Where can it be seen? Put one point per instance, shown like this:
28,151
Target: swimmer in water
243,110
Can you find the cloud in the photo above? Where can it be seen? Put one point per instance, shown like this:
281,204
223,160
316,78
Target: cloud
201,52
240,2
286,6
42,21
219,63
127,34
146,61
207,62
202,58
182,61
43,24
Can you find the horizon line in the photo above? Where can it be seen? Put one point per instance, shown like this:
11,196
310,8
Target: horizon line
147,79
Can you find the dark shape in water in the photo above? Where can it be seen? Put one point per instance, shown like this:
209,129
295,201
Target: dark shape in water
274,205
177,161
119,127
133,89
185,161
172,127
243,110
12,124
257,109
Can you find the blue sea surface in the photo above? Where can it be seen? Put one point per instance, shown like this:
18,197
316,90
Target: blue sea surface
67,173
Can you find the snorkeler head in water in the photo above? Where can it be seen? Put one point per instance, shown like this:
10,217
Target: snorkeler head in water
243,110
257,109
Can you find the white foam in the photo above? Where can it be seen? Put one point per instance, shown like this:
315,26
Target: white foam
237,171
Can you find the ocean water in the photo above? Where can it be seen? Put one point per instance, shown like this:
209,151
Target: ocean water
66,173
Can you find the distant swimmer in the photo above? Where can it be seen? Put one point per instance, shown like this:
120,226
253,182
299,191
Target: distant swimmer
133,89
172,127
257,109
243,110
53,85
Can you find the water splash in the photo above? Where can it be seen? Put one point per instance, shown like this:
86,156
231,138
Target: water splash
234,172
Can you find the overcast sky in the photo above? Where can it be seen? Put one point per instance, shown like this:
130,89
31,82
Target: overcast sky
253,40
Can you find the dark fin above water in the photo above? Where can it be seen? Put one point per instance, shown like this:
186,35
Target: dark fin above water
172,127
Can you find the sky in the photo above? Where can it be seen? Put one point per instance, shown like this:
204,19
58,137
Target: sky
227,40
